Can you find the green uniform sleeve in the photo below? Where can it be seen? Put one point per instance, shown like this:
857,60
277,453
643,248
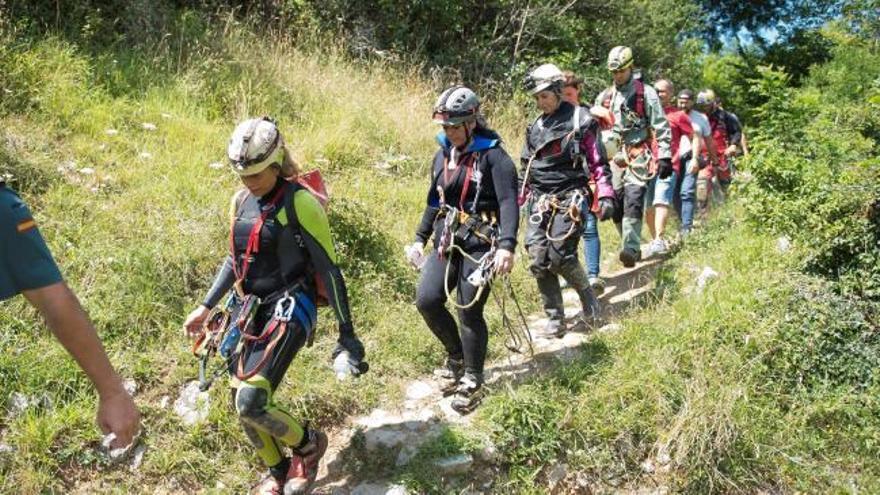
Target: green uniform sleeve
662,131
25,260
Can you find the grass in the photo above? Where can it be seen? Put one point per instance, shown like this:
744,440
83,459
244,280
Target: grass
137,218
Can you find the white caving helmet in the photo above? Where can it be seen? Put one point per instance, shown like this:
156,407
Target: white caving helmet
544,77
255,145
619,58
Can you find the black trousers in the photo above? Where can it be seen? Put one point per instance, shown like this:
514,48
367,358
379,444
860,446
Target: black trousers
472,338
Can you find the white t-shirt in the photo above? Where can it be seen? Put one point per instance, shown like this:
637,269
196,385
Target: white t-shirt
700,123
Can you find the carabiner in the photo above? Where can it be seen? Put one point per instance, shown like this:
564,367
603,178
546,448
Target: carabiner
284,308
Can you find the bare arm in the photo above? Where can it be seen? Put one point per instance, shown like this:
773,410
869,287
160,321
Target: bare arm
71,326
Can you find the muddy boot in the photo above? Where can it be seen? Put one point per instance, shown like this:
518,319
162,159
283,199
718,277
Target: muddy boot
554,329
598,285
304,463
629,257
450,375
469,393
269,485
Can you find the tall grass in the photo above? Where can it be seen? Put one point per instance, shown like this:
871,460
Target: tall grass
136,219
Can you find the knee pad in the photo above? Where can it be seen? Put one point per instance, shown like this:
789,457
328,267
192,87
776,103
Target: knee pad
251,401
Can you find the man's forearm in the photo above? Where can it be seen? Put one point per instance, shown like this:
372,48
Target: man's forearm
71,326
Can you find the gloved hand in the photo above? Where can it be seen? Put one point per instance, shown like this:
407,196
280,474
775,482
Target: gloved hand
348,356
664,167
607,208
415,254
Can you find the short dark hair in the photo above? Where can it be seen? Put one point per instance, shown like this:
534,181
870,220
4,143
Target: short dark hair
570,80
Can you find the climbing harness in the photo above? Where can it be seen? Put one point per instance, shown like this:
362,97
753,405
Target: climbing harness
272,332
565,141
214,338
640,161
548,206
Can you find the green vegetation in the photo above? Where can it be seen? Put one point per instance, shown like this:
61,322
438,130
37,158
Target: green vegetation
766,379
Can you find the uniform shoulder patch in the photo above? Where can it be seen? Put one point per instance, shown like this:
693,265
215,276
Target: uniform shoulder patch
26,225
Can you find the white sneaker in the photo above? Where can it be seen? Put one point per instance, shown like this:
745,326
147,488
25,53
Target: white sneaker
657,247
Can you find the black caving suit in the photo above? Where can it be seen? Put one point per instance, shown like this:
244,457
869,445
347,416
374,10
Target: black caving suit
563,163
493,178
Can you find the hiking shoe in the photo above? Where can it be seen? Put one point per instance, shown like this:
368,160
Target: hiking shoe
584,323
450,374
598,285
554,329
469,393
629,257
269,485
658,247
304,463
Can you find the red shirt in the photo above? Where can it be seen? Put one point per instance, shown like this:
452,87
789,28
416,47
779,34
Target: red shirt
680,124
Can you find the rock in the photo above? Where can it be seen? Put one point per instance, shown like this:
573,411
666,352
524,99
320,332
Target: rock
163,402
216,165
428,414
137,457
488,454
6,449
611,328
384,438
119,454
130,386
783,244
557,474
192,406
87,171
149,126
165,115
705,276
648,466
111,132
406,455
457,464
419,390
574,339
146,155
379,418
17,404
378,489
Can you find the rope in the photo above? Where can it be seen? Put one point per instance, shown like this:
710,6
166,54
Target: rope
551,204
484,264
518,336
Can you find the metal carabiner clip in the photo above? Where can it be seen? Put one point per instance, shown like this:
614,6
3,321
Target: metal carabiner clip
284,308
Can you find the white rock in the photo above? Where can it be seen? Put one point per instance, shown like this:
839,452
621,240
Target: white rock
111,132
457,464
149,126
146,155
419,390
428,414
557,474
163,402
574,339
119,454
383,438
87,171
705,276
379,418
17,403
130,386
192,406
378,489
216,165
166,115
6,449
648,466
783,244
488,454
611,328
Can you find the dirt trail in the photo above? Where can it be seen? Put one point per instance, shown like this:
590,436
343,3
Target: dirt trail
396,431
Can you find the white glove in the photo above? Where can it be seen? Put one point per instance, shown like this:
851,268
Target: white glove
415,254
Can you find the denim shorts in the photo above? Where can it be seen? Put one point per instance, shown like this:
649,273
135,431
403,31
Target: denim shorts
660,191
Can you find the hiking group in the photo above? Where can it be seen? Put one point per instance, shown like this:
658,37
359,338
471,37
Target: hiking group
628,158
